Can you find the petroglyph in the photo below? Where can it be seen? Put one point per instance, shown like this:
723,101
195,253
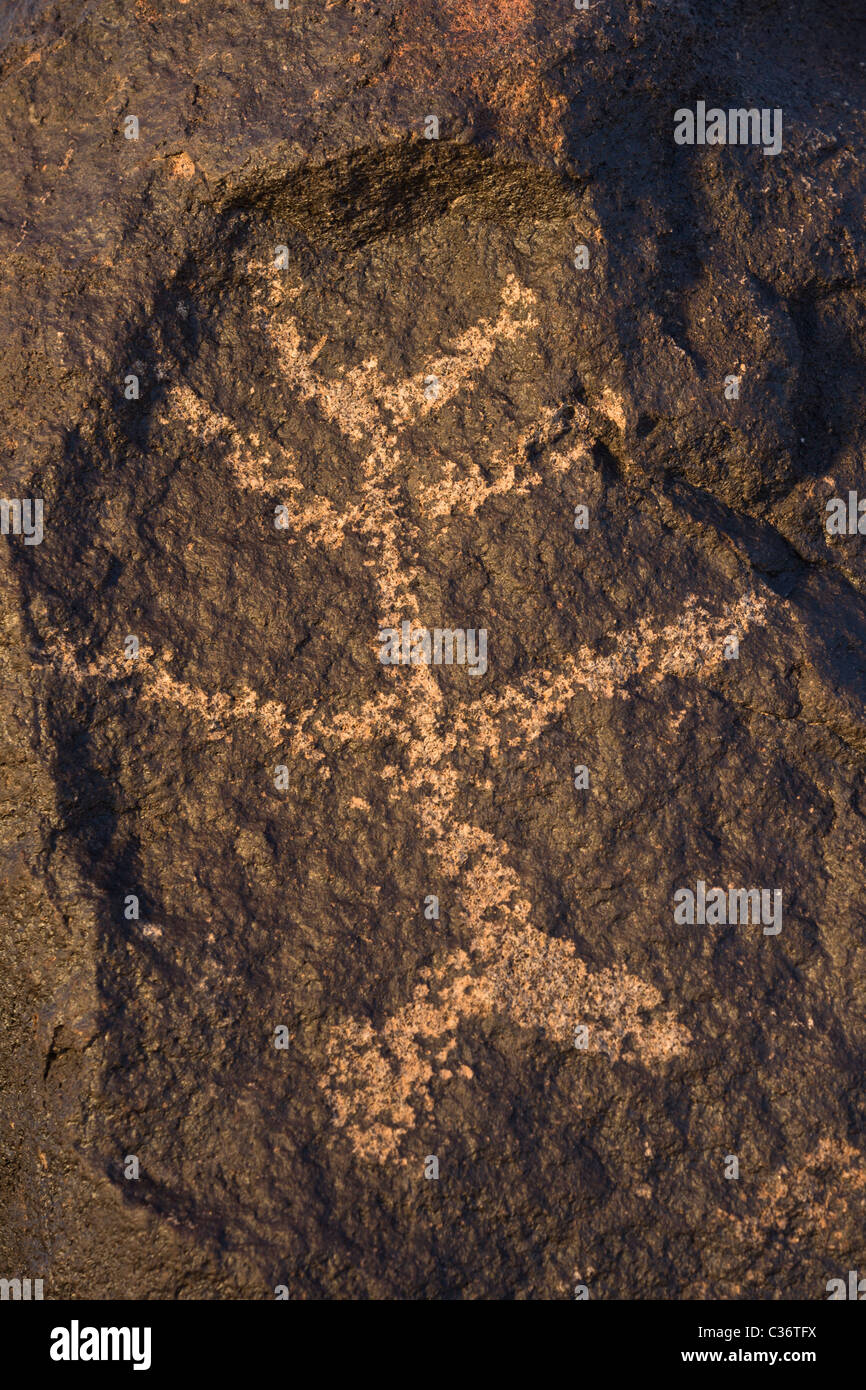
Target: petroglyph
379,1085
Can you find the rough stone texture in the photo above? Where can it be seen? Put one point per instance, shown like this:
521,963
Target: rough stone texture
308,388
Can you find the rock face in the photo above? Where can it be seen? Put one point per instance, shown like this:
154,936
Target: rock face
290,929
